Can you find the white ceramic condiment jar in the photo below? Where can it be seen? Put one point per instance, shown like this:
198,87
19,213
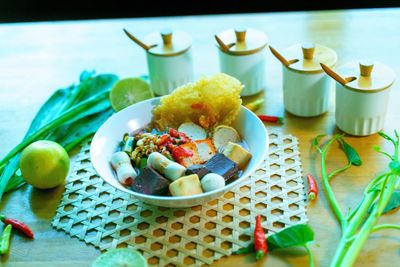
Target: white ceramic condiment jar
306,88
242,55
169,59
362,102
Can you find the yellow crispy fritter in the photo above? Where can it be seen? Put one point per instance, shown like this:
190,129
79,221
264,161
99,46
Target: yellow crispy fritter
210,101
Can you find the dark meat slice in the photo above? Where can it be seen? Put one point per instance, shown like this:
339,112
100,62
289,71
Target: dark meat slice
199,169
150,182
222,165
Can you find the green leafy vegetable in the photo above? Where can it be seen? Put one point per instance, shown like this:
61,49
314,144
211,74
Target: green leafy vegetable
71,134
67,117
395,166
297,235
385,136
380,196
351,153
394,202
245,250
315,141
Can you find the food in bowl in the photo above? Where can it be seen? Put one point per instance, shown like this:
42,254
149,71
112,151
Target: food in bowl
189,148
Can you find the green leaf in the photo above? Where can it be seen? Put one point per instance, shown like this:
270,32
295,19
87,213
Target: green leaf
294,236
395,167
67,134
394,202
315,141
351,153
244,250
86,75
95,85
51,108
385,136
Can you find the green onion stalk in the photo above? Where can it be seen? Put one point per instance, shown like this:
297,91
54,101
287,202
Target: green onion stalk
360,222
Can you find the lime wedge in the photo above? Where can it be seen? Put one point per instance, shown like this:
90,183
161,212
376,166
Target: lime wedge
120,257
129,91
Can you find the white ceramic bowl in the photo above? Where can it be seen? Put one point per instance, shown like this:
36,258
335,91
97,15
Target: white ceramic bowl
107,139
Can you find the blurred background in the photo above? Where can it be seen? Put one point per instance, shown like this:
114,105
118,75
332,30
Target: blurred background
44,10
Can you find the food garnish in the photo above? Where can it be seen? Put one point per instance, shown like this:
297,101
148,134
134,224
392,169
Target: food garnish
18,225
129,91
267,118
120,257
5,240
260,242
312,187
300,235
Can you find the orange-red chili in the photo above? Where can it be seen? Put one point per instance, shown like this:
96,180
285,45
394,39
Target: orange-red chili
312,187
164,140
17,225
266,118
173,132
179,153
260,242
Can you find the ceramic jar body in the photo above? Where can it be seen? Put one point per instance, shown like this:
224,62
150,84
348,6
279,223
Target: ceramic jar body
306,94
169,72
250,70
360,113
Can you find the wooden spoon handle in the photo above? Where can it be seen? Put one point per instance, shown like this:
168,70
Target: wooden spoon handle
279,56
333,74
137,41
223,46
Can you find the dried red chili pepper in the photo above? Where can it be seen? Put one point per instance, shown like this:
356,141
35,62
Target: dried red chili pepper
312,187
17,225
266,118
260,242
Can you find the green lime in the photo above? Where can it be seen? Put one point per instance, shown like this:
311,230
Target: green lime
120,257
129,91
44,164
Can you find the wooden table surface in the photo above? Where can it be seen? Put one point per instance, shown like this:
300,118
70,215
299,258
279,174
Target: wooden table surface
37,58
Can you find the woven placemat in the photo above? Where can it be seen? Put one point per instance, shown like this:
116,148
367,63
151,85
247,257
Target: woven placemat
105,217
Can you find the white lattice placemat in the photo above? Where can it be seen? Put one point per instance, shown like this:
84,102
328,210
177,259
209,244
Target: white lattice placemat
105,217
